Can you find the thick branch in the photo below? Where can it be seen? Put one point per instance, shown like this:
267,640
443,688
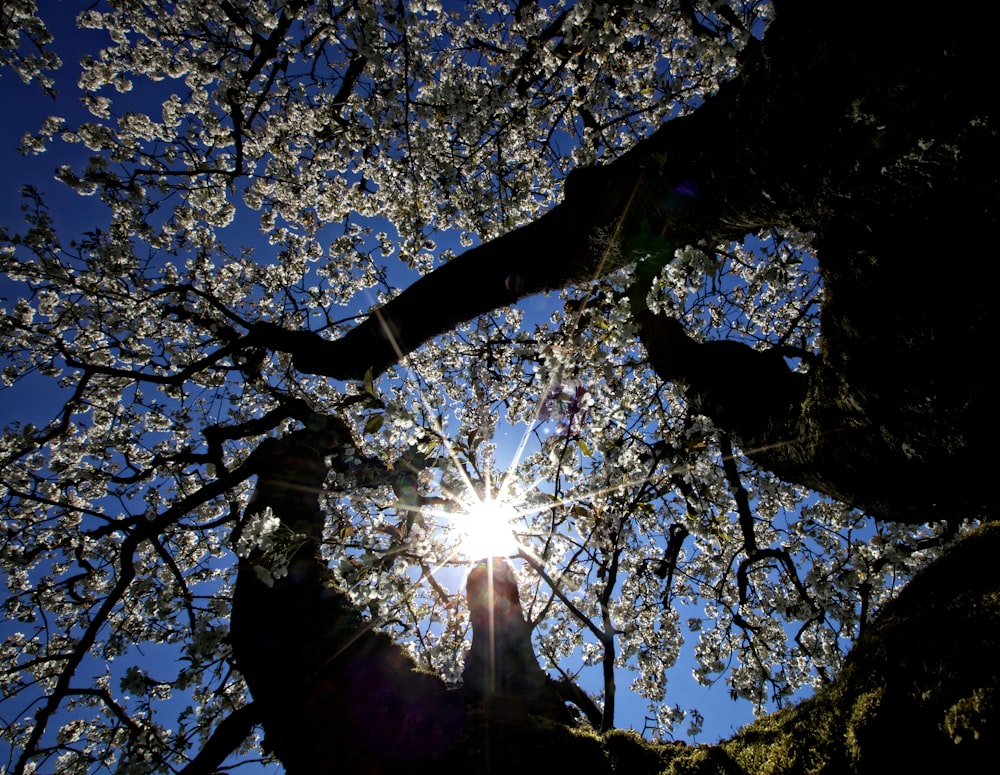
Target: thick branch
501,670
543,255
751,393
740,495
333,695
226,738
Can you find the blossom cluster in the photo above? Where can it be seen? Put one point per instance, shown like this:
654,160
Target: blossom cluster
365,144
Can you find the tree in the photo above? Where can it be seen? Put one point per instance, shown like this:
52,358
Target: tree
242,470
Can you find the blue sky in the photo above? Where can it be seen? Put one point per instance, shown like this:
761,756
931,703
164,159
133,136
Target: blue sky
36,400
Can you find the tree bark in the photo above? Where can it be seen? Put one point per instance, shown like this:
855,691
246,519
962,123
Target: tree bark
501,671
332,695
331,692
867,125
862,124
895,170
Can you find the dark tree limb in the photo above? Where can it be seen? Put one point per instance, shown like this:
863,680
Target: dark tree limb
750,393
492,275
225,738
666,567
740,495
331,692
501,670
570,692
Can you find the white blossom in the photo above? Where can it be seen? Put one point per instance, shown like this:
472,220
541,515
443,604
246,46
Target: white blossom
130,332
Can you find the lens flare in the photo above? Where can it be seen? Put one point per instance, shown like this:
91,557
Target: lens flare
486,529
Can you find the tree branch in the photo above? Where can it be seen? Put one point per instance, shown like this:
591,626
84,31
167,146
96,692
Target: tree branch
126,574
744,515
225,739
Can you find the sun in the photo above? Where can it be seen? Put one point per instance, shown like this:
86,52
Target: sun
486,529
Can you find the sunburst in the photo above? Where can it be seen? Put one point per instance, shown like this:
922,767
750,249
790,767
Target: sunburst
485,529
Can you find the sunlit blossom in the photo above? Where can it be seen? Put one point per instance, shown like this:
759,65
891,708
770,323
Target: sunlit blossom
461,127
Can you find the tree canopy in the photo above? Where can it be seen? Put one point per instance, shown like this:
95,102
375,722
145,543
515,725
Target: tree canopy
747,410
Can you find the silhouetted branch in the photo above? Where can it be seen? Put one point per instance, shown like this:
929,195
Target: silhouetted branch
225,738
744,515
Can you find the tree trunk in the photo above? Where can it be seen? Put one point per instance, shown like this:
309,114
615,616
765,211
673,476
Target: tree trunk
867,124
863,124
332,693
878,140
916,693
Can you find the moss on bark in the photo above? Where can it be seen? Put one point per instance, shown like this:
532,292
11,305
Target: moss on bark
899,182
918,694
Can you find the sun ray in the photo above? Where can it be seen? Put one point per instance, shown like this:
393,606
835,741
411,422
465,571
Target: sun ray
479,509
486,530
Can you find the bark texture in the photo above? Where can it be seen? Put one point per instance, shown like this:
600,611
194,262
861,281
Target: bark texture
866,124
881,143
331,692
917,692
501,671
863,124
